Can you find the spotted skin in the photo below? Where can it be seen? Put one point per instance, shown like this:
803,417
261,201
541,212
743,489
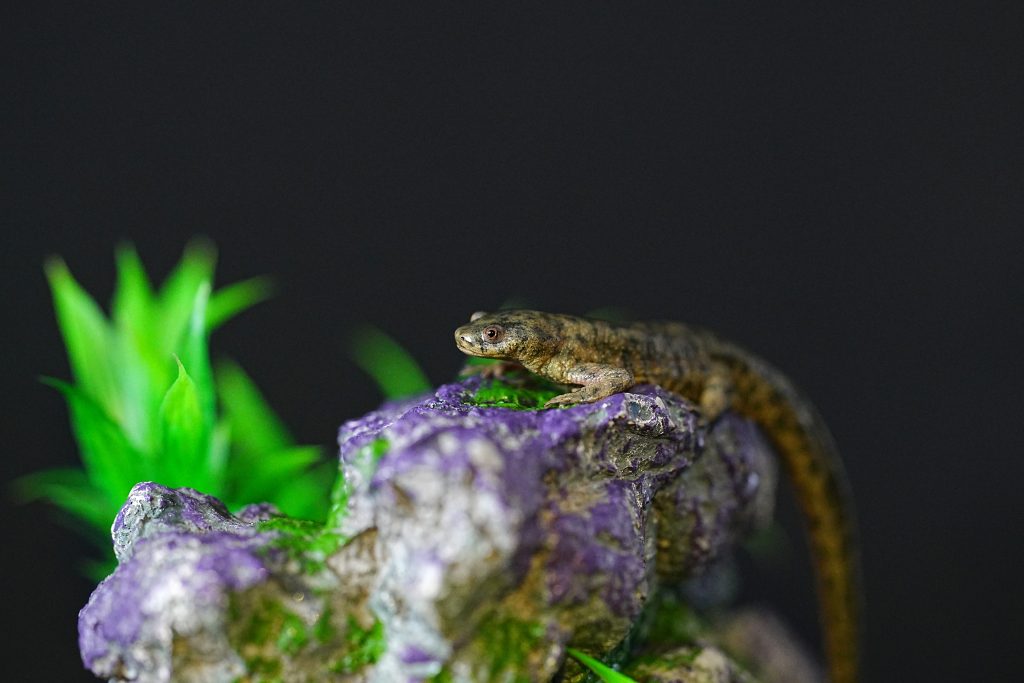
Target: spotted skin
603,358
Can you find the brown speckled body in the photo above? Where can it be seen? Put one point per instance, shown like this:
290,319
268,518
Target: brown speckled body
605,358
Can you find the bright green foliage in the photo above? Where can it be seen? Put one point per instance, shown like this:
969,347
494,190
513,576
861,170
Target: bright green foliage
499,394
144,405
265,462
308,543
603,671
390,366
517,390
235,298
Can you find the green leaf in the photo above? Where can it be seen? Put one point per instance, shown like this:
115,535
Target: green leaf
219,457
139,416
259,476
97,570
112,464
390,366
233,299
87,336
307,496
195,355
142,372
603,671
183,436
255,429
71,490
177,298
133,295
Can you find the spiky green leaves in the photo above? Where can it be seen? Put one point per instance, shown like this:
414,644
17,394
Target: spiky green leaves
265,463
390,366
111,461
144,402
603,671
184,434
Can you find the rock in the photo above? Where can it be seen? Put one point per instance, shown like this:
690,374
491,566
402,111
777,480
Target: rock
690,664
760,637
467,542
163,610
673,644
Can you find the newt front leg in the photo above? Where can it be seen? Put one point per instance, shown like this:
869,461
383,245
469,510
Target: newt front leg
596,380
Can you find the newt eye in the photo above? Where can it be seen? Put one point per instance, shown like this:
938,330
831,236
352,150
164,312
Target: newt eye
493,333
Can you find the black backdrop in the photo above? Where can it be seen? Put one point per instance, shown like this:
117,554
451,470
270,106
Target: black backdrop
836,187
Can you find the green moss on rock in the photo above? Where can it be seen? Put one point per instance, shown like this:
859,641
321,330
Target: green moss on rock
267,633
517,391
669,622
311,543
506,645
510,642
363,647
308,543
364,462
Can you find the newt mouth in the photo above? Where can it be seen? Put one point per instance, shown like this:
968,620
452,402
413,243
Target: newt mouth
464,340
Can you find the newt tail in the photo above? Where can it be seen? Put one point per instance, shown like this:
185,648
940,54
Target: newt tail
604,358
810,459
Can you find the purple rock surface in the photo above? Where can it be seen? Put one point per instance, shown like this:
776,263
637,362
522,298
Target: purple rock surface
477,541
180,554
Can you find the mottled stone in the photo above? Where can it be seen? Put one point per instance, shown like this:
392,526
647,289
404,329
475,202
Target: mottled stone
690,664
760,637
676,645
474,542
164,607
153,510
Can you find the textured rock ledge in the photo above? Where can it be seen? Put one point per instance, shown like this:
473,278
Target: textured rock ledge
466,543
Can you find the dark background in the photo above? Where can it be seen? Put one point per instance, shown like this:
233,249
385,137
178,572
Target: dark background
838,188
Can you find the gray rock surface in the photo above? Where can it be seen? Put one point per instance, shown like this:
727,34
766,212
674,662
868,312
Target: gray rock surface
468,542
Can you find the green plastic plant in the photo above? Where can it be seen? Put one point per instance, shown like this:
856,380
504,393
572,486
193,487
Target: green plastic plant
144,405
602,671
392,368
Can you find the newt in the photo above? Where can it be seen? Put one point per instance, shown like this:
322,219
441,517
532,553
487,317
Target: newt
604,358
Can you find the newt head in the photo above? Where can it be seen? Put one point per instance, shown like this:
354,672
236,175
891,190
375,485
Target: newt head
527,337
